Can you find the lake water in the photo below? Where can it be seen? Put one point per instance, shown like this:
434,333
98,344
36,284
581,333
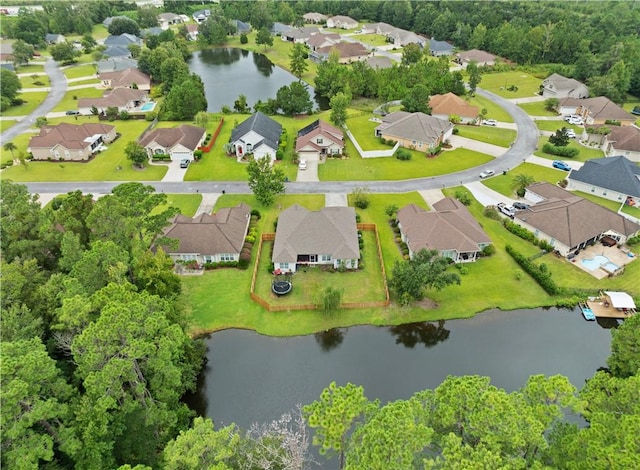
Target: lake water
254,378
227,73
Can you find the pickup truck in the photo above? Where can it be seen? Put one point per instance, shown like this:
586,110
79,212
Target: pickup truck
506,210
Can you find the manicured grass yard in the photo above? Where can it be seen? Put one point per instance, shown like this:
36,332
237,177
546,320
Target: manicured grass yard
536,109
187,203
490,135
527,83
69,102
6,124
76,71
504,183
633,211
88,81
630,103
32,101
31,68
363,129
28,82
553,126
586,153
493,110
371,39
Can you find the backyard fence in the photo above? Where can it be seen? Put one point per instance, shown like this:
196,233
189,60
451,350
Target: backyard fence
209,146
372,153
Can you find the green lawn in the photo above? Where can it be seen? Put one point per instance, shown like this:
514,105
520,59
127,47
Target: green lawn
88,81
371,39
504,183
630,103
110,165
28,82
32,101
537,109
99,32
553,126
31,68
363,129
493,110
528,85
77,71
586,153
70,99
490,135
356,168
6,124
601,201
187,203
633,211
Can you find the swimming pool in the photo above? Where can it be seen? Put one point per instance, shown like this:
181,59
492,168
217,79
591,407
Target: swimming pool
600,261
148,106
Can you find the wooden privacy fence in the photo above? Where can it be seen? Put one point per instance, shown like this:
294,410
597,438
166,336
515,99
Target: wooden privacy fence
207,148
282,308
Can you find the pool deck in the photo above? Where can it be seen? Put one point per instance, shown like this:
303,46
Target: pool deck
613,253
602,309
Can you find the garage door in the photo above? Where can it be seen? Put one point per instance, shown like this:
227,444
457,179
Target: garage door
180,155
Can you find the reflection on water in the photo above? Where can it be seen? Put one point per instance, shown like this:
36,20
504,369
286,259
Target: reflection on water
222,56
263,64
330,339
425,333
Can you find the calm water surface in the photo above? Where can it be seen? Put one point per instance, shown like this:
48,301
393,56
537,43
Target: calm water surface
254,378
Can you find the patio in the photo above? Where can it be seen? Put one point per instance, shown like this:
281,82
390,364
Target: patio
614,255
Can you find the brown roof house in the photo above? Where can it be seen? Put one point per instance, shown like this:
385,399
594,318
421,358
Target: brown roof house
319,139
325,237
348,52
125,99
210,238
344,22
621,140
313,17
70,142
447,105
569,222
596,110
417,131
322,40
481,58
128,78
177,142
557,86
449,228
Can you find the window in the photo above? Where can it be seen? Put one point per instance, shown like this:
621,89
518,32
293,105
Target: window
188,257
226,257
325,257
319,140
419,144
158,151
207,259
284,265
413,142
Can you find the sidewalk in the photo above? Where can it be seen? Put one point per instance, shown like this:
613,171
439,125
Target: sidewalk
208,202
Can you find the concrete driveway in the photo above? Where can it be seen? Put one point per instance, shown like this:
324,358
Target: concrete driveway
486,196
174,172
549,163
311,173
482,147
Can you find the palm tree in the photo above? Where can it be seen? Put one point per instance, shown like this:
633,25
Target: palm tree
10,146
521,181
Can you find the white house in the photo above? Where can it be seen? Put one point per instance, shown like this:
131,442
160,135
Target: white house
258,135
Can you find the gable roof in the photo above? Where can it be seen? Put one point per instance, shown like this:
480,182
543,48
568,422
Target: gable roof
222,232
185,135
118,97
307,135
116,63
241,26
107,21
414,126
600,107
329,231
50,37
624,138
341,19
439,46
70,136
315,17
615,173
169,17
125,78
450,226
280,28
123,39
560,82
345,49
571,219
319,39
262,125
451,104
476,55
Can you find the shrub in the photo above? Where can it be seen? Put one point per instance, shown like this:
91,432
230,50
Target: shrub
463,196
541,274
390,210
243,39
124,115
568,152
403,154
563,183
256,213
519,231
612,122
361,198
150,116
464,270
633,240
488,250
250,239
455,131
197,154
279,154
491,212
358,218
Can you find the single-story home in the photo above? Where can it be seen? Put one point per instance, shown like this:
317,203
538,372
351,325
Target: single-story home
447,105
348,52
557,86
210,238
417,131
315,18
613,178
481,58
383,29
72,142
379,62
154,31
6,52
622,140
125,99
258,135
241,27
319,139
177,142
343,22
115,64
123,40
322,40
201,16
569,222
126,79
300,35
54,38
310,238
401,37
449,228
107,21
440,48
596,110
112,52
192,32
279,29
167,19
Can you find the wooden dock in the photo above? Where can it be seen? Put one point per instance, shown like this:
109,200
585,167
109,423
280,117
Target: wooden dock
605,310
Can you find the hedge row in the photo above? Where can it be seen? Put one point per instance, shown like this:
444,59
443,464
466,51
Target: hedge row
540,273
568,152
527,235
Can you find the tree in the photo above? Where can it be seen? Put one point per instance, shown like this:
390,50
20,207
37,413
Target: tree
147,16
426,270
173,70
184,101
136,153
520,183
9,84
240,105
330,300
334,414
417,100
294,99
474,76
360,197
213,30
265,180
411,54
202,119
123,25
88,43
264,37
64,52
10,147
22,52
560,138
552,104
625,348
298,60
339,104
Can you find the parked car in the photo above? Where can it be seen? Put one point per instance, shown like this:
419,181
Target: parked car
521,206
560,165
302,165
506,210
576,121
72,112
487,173
636,110
490,122
571,133
184,163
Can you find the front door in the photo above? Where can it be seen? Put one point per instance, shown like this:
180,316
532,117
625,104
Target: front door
313,258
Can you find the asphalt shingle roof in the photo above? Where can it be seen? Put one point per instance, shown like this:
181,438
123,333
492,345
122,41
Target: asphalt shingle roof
615,173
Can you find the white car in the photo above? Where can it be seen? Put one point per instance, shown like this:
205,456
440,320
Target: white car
302,165
490,122
487,173
571,133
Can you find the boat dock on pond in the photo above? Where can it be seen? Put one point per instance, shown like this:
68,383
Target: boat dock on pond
612,305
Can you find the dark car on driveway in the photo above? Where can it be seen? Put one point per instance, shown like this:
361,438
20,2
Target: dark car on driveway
72,112
521,206
184,163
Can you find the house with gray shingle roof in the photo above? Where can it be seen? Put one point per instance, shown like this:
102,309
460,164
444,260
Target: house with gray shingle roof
343,22
316,18
348,52
440,48
379,62
558,86
177,142
449,228
116,52
54,38
613,178
417,131
301,35
596,110
167,19
311,238
115,64
481,58
278,29
128,78
209,238
241,27
122,40
107,21
258,135
569,222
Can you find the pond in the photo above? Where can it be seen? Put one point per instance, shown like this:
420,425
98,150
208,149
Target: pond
228,73
254,378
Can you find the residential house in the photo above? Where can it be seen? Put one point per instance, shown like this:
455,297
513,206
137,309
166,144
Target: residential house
258,135
192,32
315,18
382,29
123,40
481,58
279,29
311,238
348,52
8,67
177,142
417,131
320,40
241,27
6,52
569,222
379,62
447,105
125,99
209,238
70,142
401,37
201,16
557,86
128,78
115,64
155,31
613,178
54,38
300,35
342,22
113,52
440,48
167,19
623,140
449,228
319,139
596,110
107,21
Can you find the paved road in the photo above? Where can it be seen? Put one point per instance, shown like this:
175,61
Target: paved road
56,93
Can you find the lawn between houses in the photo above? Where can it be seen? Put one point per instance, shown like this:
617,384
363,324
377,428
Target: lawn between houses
586,153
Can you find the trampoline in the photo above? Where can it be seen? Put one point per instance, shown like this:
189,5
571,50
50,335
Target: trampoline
281,287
